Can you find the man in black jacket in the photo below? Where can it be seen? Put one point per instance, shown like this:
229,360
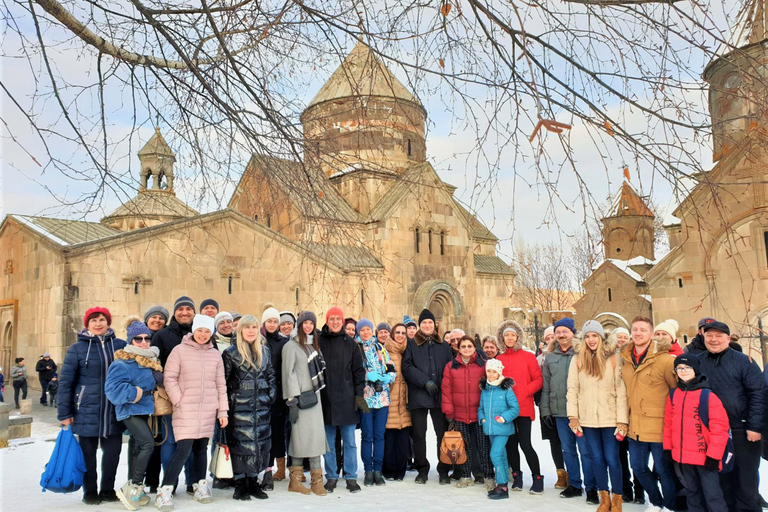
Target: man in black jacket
738,383
424,360
45,369
341,397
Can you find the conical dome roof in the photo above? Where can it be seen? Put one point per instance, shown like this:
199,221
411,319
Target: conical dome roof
751,27
156,145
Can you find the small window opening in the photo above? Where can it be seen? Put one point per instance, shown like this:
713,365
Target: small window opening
297,297
610,295
618,249
442,243
229,285
269,220
680,282
417,240
429,241
685,339
256,217
765,239
362,297
409,147
135,287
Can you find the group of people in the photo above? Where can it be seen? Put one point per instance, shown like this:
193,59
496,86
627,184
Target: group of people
47,376
287,396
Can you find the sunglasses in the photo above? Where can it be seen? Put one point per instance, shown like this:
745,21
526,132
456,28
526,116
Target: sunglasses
399,332
141,338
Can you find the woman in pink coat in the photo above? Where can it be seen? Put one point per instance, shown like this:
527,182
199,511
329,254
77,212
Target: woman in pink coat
194,380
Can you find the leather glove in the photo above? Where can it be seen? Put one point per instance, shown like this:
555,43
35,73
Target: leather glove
576,427
293,413
549,421
712,464
432,388
361,404
373,377
621,431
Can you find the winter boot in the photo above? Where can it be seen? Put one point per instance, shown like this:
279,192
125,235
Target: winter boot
280,473
254,489
616,503
295,485
490,484
605,502
562,479
317,482
352,486
538,485
517,481
378,478
368,479
164,498
202,492
108,496
223,483
592,497
572,492
499,493
241,490
330,484
268,484
465,482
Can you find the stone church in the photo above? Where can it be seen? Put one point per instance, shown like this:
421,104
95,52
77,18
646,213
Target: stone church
363,222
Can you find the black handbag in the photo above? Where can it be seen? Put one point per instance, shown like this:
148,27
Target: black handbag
307,399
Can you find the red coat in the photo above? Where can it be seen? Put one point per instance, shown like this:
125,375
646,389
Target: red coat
684,433
523,368
461,388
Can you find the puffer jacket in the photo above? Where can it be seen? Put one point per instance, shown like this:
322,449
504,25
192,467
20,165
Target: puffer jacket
498,401
42,369
127,372
597,402
376,359
398,417
344,377
648,387
195,383
522,367
424,359
684,432
739,385
461,388
554,391
18,373
81,385
251,393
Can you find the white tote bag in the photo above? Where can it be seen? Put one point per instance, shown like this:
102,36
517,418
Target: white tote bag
221,462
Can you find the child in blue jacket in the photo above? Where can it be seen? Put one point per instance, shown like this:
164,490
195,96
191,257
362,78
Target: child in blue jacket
498,409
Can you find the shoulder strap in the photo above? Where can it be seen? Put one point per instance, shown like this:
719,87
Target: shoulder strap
704,407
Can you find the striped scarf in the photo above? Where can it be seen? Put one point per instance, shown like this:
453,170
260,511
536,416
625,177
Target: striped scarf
316,365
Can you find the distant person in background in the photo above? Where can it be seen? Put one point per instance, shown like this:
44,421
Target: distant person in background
2,384
45,368
19,378
53,390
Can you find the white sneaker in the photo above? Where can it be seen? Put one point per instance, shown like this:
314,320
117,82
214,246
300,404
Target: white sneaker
129,495
164,499
202,492
653,508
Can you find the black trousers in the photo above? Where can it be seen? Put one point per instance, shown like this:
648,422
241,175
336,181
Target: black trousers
419,430
279,423
110,457
143,446
198,448
19,385
44,384
703,488
626,473
478,448
522,437
397,449
740,486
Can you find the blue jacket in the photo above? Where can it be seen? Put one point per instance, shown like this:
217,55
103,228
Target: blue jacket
737,382
498,401
81,385
125,374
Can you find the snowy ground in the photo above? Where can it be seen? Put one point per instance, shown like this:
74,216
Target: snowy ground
22,464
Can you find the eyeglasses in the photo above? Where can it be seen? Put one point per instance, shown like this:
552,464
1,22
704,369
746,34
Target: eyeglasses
141,338
683,368
400,332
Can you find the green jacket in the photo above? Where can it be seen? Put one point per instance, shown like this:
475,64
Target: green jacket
554,371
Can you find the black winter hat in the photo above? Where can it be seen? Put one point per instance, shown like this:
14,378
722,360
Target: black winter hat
209,302
690,360
426,315
719,326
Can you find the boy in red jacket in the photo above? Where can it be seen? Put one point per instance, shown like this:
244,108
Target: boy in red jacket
696,449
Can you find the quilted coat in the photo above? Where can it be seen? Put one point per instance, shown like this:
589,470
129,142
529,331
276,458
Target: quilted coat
126,373
344,377
554,373
498,401
251,393
399,417
461,388
81,385
424,359
521,366
195,383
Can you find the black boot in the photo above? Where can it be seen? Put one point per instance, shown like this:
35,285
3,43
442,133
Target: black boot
241,490
592,497
368,479
378,478
91,498
268,483
499,493
254,489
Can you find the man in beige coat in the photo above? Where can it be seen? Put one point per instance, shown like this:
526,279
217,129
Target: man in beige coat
649,374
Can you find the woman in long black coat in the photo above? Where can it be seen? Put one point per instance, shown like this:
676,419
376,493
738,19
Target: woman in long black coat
251,391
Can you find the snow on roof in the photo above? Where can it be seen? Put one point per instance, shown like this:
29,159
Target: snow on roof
646,297
624,266
640,260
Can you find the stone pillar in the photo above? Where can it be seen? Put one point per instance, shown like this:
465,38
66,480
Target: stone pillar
26,407
5,411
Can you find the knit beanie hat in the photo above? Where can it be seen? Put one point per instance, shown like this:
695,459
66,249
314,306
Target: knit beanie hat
364,322
269,314
235,315
690,360
183,301
509,329
426,315
384,326
306,315
620,330
224,315
209,302
566,322
97,311
669,326
202,322
408,321
156,310
549,330
592,326
287,316
494,364
137,329
334,311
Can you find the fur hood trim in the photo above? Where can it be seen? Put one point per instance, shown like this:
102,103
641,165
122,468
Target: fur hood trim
507,383
146,362
520,334
420,338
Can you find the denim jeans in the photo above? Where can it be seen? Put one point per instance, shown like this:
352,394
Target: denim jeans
372,427
168,448
639,453
350,452
604,450
570,443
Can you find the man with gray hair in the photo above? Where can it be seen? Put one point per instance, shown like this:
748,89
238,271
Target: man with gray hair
455,336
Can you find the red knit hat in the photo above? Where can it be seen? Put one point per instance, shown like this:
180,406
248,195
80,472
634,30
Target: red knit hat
334,311
95,311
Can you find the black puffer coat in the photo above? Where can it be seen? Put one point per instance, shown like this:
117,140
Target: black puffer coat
344,377
424,359
251,393
169,337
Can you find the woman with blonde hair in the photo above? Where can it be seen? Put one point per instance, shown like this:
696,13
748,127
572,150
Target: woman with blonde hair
251,391
491,347
597,409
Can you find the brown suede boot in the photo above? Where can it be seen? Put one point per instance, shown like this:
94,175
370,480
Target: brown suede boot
616,502
605,502
562,479
295,484
317,482
279,475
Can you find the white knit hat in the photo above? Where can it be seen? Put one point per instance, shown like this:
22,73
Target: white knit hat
495,365
669,326
224,315
202,321
270,313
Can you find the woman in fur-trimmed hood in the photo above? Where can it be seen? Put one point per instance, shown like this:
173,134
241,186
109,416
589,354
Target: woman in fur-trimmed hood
506,324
